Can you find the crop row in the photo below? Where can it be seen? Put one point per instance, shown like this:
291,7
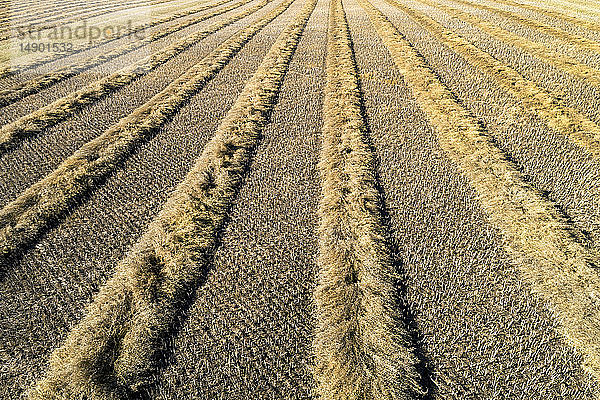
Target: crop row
543,52
36,62
63,108
363,349
540,241
75,15
138,305
565,120
39,82
22,220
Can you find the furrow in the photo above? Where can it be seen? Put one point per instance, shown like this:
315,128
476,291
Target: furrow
81,6
563,119
15,69
576,40
18,92
63,108
4,17
23,10
258,292
22,220
544,53
363,349
584,4
126,324
537,238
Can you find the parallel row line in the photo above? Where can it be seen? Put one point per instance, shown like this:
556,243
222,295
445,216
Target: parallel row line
362,346
537,238
560,61
553,14
15,69
84,12
571,38
584,10
128,321
22,220
40,82
563,119
68,13
61,109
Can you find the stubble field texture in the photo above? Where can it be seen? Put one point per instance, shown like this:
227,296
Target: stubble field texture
301,199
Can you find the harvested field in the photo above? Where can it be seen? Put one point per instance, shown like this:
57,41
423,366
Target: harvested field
300,199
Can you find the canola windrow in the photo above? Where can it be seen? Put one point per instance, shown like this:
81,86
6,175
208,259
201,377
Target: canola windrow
553,14
36,62
537,238
585,8
18,92
126,324
61,109
362,346
562,119
87,26
43,13
25,218
560,61
92,10
569,38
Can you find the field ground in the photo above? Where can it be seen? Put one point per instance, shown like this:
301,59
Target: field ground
336,199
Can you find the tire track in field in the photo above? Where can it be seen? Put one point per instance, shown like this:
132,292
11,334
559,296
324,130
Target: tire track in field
573,39
560,61
26,217
564,120
58,276
540,242
139,304
363,348
18,92
15,69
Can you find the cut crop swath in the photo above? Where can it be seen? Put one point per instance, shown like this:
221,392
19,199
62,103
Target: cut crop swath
125,326
540,242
